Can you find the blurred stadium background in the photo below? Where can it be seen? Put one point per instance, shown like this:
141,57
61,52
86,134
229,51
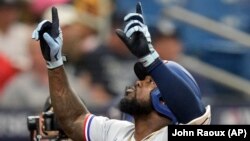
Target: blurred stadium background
209,37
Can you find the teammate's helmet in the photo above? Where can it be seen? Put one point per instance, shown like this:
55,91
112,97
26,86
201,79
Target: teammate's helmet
156,97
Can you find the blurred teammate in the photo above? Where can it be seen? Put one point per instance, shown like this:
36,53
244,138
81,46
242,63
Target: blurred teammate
165,94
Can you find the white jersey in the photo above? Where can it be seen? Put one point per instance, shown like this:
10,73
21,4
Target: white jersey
99,128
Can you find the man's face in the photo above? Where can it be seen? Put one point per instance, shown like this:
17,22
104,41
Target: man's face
137,101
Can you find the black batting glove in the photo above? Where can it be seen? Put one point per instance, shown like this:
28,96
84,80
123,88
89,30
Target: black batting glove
50,36
137,37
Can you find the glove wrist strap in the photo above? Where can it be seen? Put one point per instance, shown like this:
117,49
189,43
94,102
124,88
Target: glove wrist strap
55,64
149,59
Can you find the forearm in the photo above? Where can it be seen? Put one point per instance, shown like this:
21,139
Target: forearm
68,108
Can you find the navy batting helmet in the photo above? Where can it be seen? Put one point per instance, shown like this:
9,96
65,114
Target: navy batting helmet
156,96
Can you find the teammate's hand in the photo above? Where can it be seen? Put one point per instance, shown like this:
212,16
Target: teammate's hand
137,37
51,40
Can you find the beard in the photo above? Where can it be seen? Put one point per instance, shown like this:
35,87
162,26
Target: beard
134,107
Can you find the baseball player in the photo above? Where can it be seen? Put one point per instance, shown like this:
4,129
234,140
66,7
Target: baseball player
164,94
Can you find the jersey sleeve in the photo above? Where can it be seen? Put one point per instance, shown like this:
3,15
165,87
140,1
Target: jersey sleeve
99,128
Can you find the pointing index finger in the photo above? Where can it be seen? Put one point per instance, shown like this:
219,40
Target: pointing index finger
139,8
55,23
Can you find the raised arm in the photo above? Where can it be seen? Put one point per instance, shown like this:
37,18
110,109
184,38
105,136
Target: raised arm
182,98
69,110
